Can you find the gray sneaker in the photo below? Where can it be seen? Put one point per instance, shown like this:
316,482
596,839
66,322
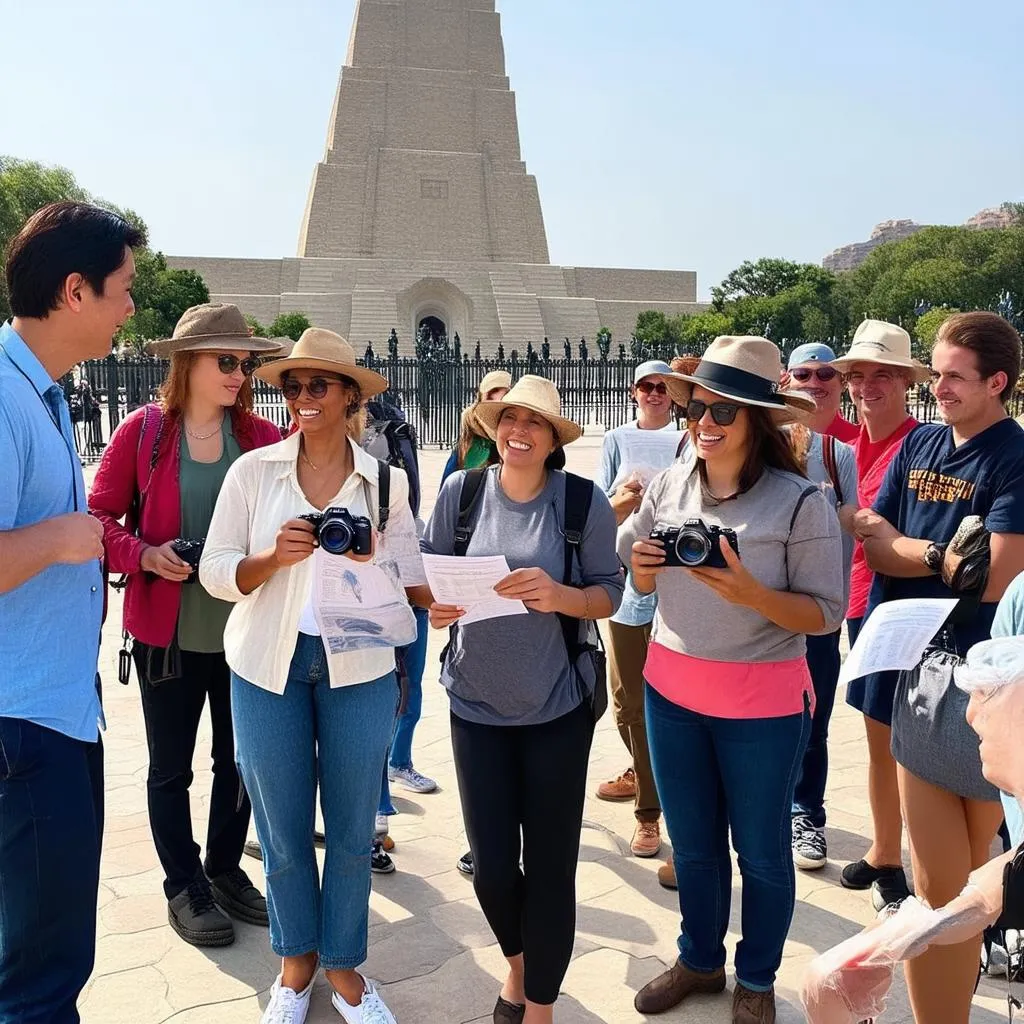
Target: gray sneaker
197,919
810,851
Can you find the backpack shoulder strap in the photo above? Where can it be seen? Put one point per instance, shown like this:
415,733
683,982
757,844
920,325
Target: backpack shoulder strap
828,456
579,492
383,495
681,447
804,495
469,496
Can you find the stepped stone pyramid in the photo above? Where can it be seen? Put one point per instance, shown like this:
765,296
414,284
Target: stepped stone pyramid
422,209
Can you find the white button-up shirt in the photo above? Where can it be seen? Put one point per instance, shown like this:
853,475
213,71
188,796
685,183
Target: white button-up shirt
261,492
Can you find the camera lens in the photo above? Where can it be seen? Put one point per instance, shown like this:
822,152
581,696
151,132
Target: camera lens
692,547
335,537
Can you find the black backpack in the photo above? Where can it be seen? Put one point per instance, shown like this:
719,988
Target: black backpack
391,439
579,493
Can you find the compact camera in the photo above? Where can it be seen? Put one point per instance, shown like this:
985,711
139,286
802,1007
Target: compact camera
338,531
695,544
189,551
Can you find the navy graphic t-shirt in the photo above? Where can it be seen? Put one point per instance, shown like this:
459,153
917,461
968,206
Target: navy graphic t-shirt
932,484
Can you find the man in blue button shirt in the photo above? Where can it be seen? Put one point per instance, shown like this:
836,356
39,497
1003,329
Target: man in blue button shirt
69,274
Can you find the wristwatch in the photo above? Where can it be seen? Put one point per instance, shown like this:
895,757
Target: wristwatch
933,557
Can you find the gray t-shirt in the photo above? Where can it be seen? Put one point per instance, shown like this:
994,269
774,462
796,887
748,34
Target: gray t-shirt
515,670
803,555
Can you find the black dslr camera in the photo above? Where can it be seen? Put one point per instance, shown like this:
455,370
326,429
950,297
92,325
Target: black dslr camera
338,531
189,551
695,544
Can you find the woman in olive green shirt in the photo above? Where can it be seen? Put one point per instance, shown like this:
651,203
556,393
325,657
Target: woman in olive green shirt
475,447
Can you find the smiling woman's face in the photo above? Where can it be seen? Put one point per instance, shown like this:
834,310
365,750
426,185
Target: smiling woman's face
322,403
713,440
525,438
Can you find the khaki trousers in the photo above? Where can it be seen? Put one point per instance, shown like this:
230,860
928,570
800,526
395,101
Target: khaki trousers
627,653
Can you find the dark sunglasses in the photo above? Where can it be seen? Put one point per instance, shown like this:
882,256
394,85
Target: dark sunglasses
228,364
316,388
723,413
647,387
823,373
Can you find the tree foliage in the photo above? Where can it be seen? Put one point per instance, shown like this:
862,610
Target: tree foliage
256,327
289,325
161,294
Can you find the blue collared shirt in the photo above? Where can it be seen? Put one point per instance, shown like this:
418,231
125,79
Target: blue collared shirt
50,625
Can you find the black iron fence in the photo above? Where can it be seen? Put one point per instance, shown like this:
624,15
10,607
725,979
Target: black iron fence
432,392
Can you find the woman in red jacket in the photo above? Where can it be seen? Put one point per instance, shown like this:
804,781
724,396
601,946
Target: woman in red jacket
160,475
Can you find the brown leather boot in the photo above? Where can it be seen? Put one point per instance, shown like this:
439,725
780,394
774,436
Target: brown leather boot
749,1007
672,987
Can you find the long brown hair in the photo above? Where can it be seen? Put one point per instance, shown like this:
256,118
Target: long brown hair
767,448
468,433
173,393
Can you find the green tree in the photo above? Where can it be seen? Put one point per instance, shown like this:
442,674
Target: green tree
651,327
698,331
161,296
289,325
256,327
761,278
928,325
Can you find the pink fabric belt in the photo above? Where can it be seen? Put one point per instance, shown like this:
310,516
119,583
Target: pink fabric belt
730,689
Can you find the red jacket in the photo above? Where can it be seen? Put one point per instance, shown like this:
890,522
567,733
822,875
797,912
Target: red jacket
151,603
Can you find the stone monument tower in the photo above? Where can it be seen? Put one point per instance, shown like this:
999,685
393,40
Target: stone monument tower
422,212
423,155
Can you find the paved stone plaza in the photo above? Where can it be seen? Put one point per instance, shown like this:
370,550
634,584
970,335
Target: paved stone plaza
430,947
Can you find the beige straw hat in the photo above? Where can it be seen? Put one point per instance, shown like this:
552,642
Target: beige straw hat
879,342
491,381
320,349
746,370
211,327
537,394
283,352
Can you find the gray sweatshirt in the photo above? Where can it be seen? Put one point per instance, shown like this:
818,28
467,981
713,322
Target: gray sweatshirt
807,559
515,670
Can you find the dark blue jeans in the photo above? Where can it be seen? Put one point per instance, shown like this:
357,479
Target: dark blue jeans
823,660
716,775
51,828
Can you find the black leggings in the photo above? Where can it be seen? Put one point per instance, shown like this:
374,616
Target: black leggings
533,779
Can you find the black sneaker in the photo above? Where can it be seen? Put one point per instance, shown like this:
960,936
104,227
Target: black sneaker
810,850
890,890
253,849
862,875
196,918
465,863
235,892
380,862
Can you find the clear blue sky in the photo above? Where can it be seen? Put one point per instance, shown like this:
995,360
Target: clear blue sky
663,133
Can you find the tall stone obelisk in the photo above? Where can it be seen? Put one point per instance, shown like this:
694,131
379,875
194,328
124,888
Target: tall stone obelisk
423,157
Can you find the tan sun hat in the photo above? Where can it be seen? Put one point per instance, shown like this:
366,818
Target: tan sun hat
283,352
320,349
537,394
211,327
876,341
747,370
491,381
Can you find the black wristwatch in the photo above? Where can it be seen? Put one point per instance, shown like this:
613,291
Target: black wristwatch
933,557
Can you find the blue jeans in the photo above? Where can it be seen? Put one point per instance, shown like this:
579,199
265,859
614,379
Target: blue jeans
715,775
414,658
51,828
285,744
823,661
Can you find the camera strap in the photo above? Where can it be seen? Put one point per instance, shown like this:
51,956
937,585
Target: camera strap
804,495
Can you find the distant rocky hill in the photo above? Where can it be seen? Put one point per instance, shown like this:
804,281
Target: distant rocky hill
848,257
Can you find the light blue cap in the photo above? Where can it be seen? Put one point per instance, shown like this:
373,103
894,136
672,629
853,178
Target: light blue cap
812,352
651,368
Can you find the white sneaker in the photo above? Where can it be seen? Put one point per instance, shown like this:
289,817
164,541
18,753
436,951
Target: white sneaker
371,1008
411,779
380,825
287,1006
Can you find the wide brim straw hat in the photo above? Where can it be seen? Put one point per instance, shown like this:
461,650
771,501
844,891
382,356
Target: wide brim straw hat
492,380
211,327
537,394
287,344
320,349
876,341
745,370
